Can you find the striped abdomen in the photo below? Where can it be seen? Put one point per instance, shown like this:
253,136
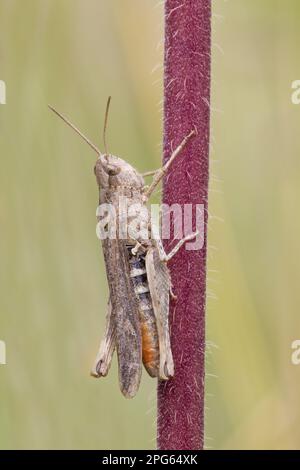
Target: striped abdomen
150,345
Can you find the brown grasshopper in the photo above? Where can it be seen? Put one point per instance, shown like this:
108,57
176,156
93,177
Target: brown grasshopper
137,323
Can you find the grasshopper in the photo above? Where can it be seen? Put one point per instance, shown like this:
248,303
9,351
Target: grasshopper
137,323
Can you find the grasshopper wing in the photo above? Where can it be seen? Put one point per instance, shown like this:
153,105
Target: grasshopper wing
107,346
159,284
125,316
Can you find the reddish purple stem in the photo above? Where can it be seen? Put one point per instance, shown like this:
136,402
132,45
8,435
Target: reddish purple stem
186,106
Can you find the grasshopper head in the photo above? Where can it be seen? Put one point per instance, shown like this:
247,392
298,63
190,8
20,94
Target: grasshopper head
113,171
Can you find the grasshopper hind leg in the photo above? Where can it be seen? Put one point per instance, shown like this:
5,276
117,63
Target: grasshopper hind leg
159,284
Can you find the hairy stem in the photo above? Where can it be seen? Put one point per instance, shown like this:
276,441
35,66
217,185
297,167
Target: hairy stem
186,107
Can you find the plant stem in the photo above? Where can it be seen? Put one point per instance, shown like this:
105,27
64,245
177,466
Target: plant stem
186,107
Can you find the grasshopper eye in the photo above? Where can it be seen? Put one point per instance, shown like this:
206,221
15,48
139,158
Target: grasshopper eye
110,165
112,170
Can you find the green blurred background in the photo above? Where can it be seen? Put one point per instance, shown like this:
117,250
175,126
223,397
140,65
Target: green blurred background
73,54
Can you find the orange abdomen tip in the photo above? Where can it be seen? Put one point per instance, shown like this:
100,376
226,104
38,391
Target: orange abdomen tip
150,352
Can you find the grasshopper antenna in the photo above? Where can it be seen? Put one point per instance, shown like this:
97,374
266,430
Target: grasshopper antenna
76,130
105,125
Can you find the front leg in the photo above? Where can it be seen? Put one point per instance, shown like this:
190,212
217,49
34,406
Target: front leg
158,175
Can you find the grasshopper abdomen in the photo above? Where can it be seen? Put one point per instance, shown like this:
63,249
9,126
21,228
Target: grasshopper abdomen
150,343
